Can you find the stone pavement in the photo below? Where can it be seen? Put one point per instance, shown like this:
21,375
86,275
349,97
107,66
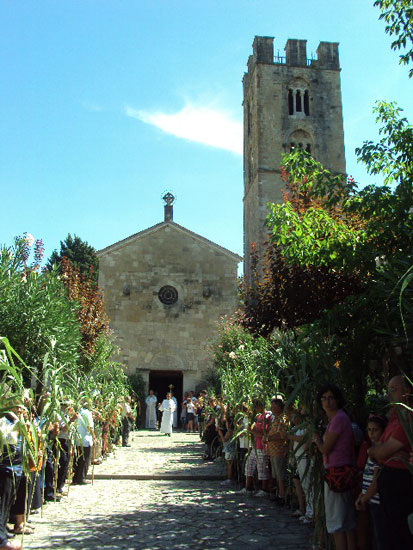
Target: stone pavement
153,455
169,513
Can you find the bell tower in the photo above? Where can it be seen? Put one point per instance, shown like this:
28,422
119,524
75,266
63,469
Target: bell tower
289,101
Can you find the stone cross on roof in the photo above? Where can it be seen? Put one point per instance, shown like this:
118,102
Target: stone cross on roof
169,200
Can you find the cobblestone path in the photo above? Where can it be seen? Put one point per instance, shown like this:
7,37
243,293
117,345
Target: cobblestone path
184,510
154,455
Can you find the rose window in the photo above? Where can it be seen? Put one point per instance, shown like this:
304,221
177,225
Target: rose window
168,295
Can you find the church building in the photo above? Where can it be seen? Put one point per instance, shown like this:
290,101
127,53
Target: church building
165,289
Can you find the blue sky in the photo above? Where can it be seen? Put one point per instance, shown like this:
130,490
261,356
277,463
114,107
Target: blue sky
106,104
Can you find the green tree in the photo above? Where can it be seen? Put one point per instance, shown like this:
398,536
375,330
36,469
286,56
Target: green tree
365,234
398,16
309,264
337,226
35,313
388,209
80,254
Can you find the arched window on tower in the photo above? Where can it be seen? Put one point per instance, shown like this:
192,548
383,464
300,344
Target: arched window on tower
290,102
306,103
298,106
298,95
300,139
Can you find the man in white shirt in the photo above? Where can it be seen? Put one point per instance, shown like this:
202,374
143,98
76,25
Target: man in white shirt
66,423
84,446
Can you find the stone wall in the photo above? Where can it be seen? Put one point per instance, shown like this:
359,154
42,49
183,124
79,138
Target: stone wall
152,335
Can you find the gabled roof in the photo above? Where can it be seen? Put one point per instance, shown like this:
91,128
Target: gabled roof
162,225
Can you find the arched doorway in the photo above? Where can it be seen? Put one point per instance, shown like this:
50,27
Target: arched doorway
160,380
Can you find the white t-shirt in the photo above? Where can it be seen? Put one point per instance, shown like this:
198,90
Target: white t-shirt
84,422
126,410
298,446
243,440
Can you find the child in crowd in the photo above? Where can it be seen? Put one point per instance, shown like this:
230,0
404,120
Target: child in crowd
190,414
226,436
369,497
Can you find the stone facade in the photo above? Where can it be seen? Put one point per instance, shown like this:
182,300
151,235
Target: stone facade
288,102
198,284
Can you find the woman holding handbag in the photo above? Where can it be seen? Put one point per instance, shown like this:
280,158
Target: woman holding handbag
337,447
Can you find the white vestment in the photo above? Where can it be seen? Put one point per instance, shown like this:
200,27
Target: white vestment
167,408
175,422
151,402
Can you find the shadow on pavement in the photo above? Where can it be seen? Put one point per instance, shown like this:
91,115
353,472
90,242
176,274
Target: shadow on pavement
195,451
183,516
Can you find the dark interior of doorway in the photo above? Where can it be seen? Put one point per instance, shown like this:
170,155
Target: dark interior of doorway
160,380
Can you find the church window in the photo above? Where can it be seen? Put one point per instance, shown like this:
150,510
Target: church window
298,107
290,102
299,139
168,295
306,103
299,100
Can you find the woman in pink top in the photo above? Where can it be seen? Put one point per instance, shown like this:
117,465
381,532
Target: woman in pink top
337,448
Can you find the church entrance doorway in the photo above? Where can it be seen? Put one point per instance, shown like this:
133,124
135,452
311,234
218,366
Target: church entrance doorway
160,380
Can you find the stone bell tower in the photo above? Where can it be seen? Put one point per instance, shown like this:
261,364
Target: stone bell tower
288,102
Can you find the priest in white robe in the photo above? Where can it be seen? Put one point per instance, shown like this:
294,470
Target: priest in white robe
167,407
151,402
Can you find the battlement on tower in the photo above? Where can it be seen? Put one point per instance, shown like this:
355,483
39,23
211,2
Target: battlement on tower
295,54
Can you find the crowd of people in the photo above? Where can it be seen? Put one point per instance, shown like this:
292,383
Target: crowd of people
358,485
40,459
164,415
45,448
363,497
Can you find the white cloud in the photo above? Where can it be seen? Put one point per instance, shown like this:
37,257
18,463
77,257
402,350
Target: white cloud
213,127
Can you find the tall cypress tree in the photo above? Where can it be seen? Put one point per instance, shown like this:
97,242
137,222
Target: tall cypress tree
80,254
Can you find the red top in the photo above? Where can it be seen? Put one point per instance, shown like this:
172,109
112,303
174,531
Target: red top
394,429
259,425
362,456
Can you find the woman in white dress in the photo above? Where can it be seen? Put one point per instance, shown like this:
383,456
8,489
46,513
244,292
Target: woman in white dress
167,407
151,402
